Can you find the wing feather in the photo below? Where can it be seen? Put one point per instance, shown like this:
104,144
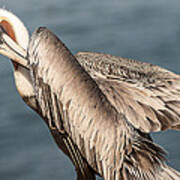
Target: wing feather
116,148
149,96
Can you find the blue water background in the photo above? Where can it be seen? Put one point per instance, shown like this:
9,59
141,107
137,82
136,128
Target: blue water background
139,29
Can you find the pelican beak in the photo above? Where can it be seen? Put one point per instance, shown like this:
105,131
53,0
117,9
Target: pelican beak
12,50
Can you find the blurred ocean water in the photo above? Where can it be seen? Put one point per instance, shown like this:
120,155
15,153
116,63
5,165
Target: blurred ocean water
143,30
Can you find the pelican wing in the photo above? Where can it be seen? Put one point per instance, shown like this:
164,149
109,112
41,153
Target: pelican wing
71,100
149,96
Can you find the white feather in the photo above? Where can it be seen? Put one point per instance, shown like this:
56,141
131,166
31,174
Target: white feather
21,33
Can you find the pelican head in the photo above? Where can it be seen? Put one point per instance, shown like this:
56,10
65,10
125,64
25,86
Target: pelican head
13,33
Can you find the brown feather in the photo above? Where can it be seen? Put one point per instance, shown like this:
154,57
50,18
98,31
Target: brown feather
105,135
146,94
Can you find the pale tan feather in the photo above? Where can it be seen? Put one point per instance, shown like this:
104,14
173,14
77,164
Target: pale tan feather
103,135
149,96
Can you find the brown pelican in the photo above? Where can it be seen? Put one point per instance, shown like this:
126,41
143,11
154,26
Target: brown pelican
104,106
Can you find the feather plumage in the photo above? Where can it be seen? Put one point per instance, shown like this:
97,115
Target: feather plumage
95,109
149,96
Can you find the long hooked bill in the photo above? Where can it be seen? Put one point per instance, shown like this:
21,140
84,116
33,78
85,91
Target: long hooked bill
12,50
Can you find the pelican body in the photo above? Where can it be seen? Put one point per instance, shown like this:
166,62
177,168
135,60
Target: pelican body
100,108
